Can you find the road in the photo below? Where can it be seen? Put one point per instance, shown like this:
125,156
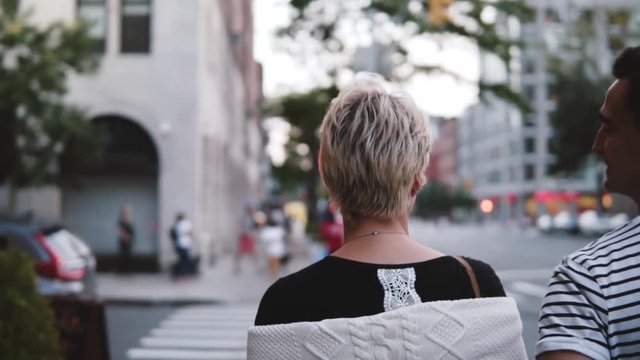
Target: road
523,260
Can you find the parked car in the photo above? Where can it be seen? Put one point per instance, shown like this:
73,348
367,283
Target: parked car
567,222
64,263
545,223
593,224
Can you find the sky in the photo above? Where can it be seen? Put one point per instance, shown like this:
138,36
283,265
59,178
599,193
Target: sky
436,95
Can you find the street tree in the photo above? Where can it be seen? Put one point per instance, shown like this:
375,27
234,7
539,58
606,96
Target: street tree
437,199
333,30
578,98
328,30
579,82
38,129
304,112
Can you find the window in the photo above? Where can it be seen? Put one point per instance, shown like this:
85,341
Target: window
551,16
530,120
529,145
494,153
529,172
494,177
136,26
529,66
95,13
529,92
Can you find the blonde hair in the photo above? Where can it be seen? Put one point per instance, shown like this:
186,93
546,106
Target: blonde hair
374,143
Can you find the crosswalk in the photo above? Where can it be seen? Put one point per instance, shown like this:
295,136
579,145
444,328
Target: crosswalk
198,333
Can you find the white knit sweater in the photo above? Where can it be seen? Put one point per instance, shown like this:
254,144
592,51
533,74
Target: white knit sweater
485,328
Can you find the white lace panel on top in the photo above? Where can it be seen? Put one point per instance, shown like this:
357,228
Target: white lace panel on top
399,288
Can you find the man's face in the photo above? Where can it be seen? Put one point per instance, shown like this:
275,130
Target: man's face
618,142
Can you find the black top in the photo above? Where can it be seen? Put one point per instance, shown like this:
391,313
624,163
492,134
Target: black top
127,228
336,288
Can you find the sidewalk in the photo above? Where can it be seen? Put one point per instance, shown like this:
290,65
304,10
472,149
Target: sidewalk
216,284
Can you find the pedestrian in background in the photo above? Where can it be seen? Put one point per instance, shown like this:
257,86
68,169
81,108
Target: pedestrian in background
591,309
272,238
331,229
247,238
126,237
367,297
182,230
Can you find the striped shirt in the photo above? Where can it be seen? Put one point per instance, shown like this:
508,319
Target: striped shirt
592,305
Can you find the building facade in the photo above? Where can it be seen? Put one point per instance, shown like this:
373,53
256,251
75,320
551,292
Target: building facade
443,164
180,94
504,155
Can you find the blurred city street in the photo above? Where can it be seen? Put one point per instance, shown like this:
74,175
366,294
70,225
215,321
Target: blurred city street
144,144
150,317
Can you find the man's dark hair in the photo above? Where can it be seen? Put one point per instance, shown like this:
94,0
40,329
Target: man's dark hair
627,66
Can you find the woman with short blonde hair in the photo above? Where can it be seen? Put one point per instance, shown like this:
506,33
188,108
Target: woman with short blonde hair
374,145
374,152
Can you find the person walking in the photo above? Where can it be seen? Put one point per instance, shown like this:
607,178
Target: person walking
331,229
591,309
246,239
272,237
182,231
383,294
126,237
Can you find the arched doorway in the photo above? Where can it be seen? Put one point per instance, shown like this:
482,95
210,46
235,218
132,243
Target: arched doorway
128,174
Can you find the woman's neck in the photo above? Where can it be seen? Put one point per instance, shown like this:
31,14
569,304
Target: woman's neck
382,242
355,229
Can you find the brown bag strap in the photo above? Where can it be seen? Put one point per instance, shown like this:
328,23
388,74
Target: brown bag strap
472,275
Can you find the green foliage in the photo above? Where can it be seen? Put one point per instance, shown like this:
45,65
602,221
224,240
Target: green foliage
26,324
575,121
437,199
10,7
36,125
578,88
318,23
304,112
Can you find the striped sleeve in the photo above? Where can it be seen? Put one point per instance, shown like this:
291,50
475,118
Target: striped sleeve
574,313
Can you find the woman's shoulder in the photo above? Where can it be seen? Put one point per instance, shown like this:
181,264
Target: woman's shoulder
279,303
488,281
479,267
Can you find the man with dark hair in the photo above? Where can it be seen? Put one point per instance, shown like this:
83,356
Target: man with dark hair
592,308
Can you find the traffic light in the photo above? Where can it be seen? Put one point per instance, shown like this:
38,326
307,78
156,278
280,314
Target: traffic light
438,11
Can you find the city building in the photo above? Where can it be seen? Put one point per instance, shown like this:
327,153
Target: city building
180,94
444,159
505,156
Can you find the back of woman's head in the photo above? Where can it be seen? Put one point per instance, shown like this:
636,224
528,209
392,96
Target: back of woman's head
374,144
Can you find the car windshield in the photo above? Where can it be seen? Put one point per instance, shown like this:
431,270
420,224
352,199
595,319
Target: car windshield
61,242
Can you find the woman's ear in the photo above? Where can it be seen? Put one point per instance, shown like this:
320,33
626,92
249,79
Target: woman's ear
418,182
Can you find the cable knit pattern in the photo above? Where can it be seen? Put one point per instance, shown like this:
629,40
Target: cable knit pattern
482,329
361,349
410,336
